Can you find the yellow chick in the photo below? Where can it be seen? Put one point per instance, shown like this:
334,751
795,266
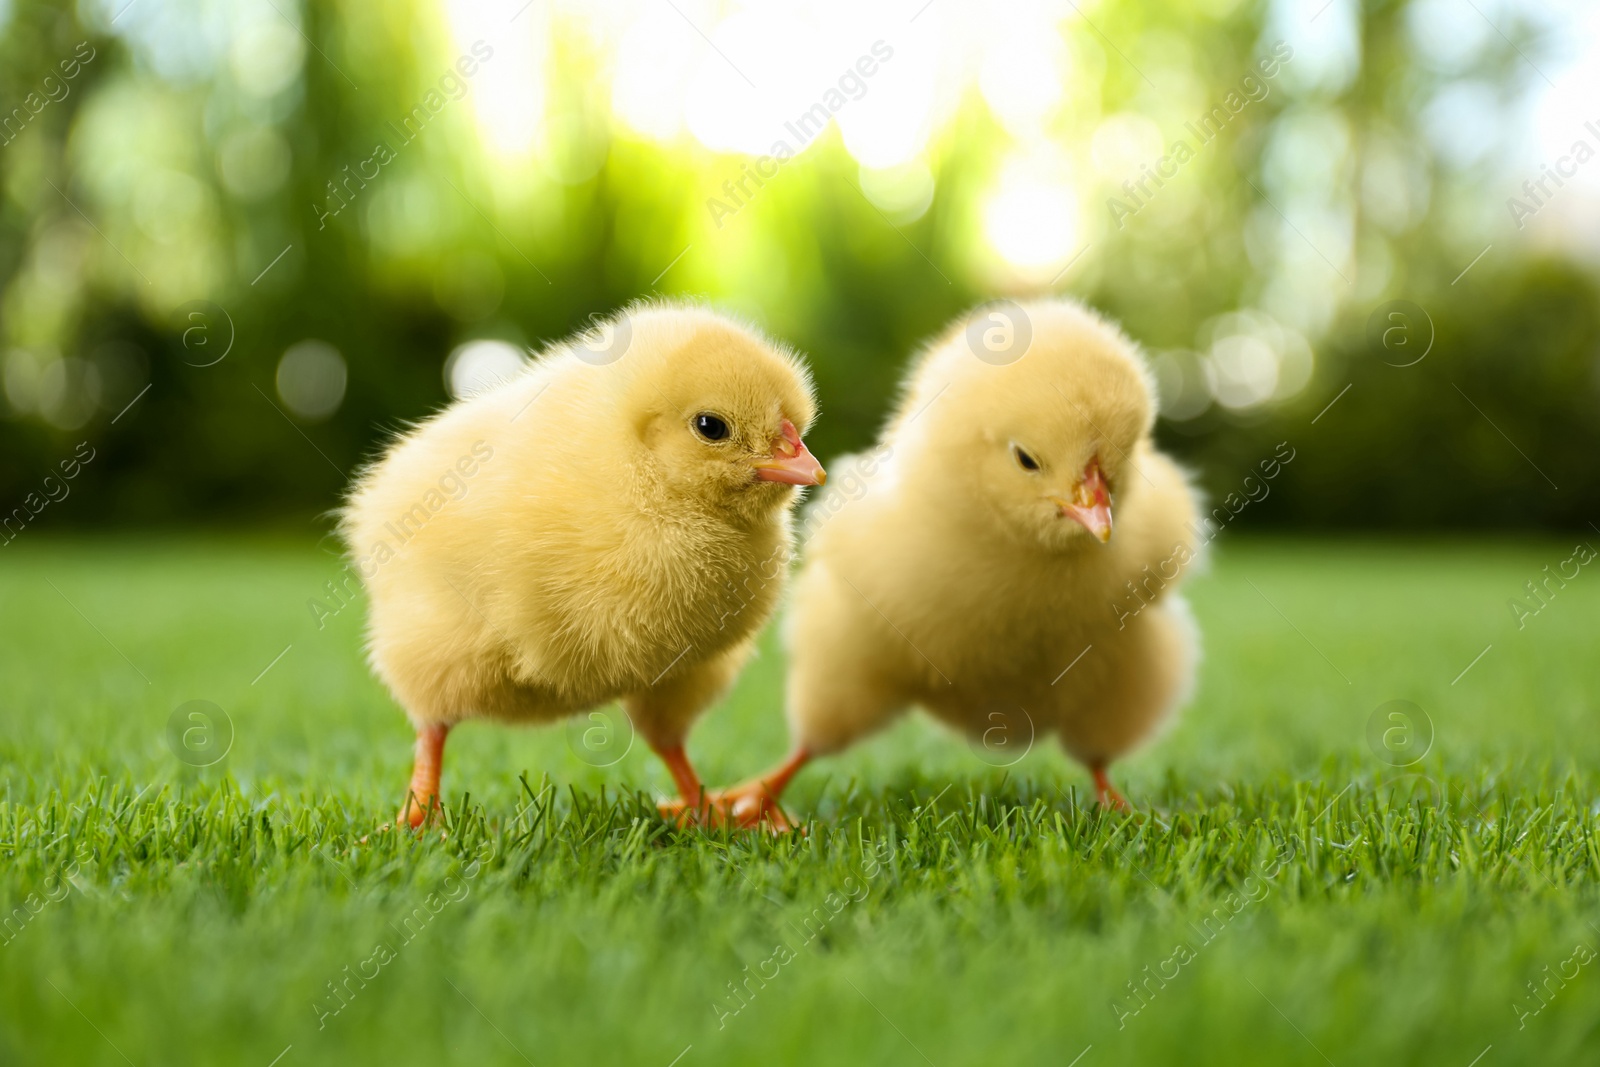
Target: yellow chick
569,537
974,570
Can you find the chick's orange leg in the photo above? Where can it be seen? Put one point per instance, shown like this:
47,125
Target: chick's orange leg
755,802
1109,797
690,805
423,795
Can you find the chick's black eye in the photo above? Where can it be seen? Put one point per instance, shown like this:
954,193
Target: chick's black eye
710,427
1025,461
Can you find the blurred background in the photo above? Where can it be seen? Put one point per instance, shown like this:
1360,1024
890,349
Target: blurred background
242,240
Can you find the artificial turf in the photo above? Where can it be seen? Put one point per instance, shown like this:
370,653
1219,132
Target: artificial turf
1286,893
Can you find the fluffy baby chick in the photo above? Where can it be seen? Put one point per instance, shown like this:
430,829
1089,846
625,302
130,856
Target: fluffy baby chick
1009,565
569,537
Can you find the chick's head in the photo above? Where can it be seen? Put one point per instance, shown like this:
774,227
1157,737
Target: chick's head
720,411
1048,440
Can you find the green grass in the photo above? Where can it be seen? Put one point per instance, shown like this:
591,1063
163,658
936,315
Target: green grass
959,914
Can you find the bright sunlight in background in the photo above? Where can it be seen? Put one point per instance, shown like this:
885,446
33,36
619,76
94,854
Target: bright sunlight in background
492,172
725,84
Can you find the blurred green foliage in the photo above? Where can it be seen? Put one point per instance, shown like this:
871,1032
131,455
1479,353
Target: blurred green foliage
201,142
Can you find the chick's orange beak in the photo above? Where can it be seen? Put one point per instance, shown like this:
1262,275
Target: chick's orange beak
790,463
1090,503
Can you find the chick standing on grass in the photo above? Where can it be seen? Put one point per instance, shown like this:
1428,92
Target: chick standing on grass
979,576
615,494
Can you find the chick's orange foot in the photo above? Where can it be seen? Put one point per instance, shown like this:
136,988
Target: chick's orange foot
747,806
743,807
1107,793
751,805
418,812
422,799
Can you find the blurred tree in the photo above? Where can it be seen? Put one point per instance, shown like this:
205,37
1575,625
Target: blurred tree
241,178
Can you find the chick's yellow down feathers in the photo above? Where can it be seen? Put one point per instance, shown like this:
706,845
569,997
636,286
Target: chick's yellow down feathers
570,536
1006,559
